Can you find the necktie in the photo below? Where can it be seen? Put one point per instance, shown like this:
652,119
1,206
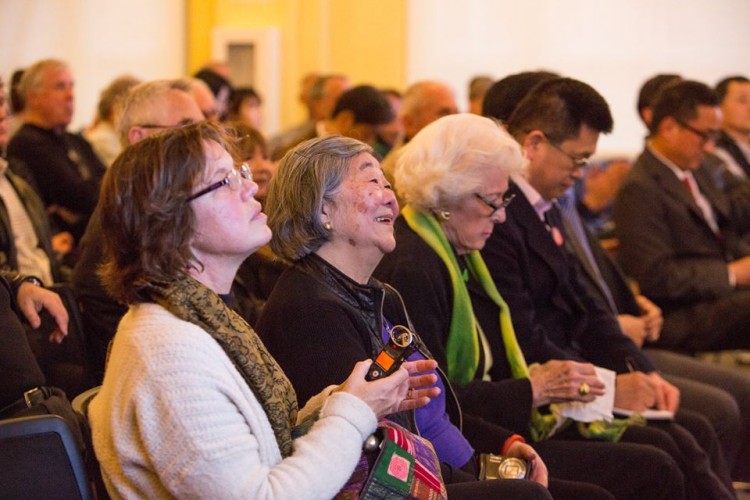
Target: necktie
577,242
553,224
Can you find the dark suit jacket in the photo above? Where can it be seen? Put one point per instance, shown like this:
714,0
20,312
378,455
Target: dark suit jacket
665,242
553,315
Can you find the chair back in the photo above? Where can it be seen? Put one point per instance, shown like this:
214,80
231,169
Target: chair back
39,459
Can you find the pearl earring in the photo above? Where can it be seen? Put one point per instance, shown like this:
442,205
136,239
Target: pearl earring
444,214
327,226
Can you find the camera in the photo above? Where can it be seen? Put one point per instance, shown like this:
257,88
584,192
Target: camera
500,467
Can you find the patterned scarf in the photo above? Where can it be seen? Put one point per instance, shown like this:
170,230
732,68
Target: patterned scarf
191,301
462,346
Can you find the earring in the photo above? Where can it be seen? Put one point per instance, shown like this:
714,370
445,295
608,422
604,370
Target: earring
327,226
444,214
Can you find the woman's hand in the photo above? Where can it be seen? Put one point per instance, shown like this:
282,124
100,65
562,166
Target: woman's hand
537,466
405,389
561,381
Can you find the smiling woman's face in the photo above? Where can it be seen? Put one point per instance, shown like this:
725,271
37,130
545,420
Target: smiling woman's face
364,208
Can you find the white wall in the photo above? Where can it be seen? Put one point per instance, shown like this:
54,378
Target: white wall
100,40
613,45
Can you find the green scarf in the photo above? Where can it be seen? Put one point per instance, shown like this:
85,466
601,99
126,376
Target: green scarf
462,346
191,301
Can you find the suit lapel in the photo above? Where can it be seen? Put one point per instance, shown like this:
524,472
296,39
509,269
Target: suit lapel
537,239
671,186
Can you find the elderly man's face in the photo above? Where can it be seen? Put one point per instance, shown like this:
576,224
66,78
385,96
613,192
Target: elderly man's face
53,101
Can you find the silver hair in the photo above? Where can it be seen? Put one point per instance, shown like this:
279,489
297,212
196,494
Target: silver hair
138,103
308,175
448,160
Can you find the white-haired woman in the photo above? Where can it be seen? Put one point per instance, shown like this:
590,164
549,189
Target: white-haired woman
454,177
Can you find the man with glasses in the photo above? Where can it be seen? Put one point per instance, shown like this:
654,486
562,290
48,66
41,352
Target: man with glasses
677,235
148,108
558,126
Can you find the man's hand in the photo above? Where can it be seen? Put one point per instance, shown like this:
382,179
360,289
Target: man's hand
652,317
638,391
634,328
32,299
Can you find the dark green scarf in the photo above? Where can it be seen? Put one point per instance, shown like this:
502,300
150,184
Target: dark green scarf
191,301
462,346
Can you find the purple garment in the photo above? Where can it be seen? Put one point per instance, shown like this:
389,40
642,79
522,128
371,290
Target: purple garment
433,422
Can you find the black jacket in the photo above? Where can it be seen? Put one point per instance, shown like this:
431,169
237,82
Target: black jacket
318,323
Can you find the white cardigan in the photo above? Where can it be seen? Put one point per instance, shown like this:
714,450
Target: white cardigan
174,418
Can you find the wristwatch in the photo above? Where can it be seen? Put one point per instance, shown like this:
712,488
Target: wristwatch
33,280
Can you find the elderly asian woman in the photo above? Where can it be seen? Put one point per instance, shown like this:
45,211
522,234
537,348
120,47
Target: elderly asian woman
192,403
332,214
453,176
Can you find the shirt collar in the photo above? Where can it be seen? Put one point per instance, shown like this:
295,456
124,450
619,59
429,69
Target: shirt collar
532,195
680,173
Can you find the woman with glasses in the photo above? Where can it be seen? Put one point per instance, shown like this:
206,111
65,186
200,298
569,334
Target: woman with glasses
453,176
192,404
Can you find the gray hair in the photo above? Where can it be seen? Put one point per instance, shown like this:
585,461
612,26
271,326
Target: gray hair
307,176
113,94
138,103
447,160
34,74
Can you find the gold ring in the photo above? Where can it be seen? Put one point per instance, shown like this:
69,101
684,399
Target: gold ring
584,389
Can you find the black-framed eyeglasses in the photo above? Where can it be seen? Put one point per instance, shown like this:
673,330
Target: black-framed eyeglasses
233,179
507,198
705,135
577,162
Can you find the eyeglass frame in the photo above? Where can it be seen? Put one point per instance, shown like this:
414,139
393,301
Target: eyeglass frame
243,172
582,163
496,207
705,135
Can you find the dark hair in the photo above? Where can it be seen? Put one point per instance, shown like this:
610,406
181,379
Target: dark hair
559,107
651,88
680,100
17,102
237,97
144,208
723,86
247,139
368,104
214,80
505,94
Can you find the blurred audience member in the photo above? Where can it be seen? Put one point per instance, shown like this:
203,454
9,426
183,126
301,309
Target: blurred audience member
391,133
323,96
103,134
61,166
25,237
218,78
245,107
204,97
17,103
733,144
478,87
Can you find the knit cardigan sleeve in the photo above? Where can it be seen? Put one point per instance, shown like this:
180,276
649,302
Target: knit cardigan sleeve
175,418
